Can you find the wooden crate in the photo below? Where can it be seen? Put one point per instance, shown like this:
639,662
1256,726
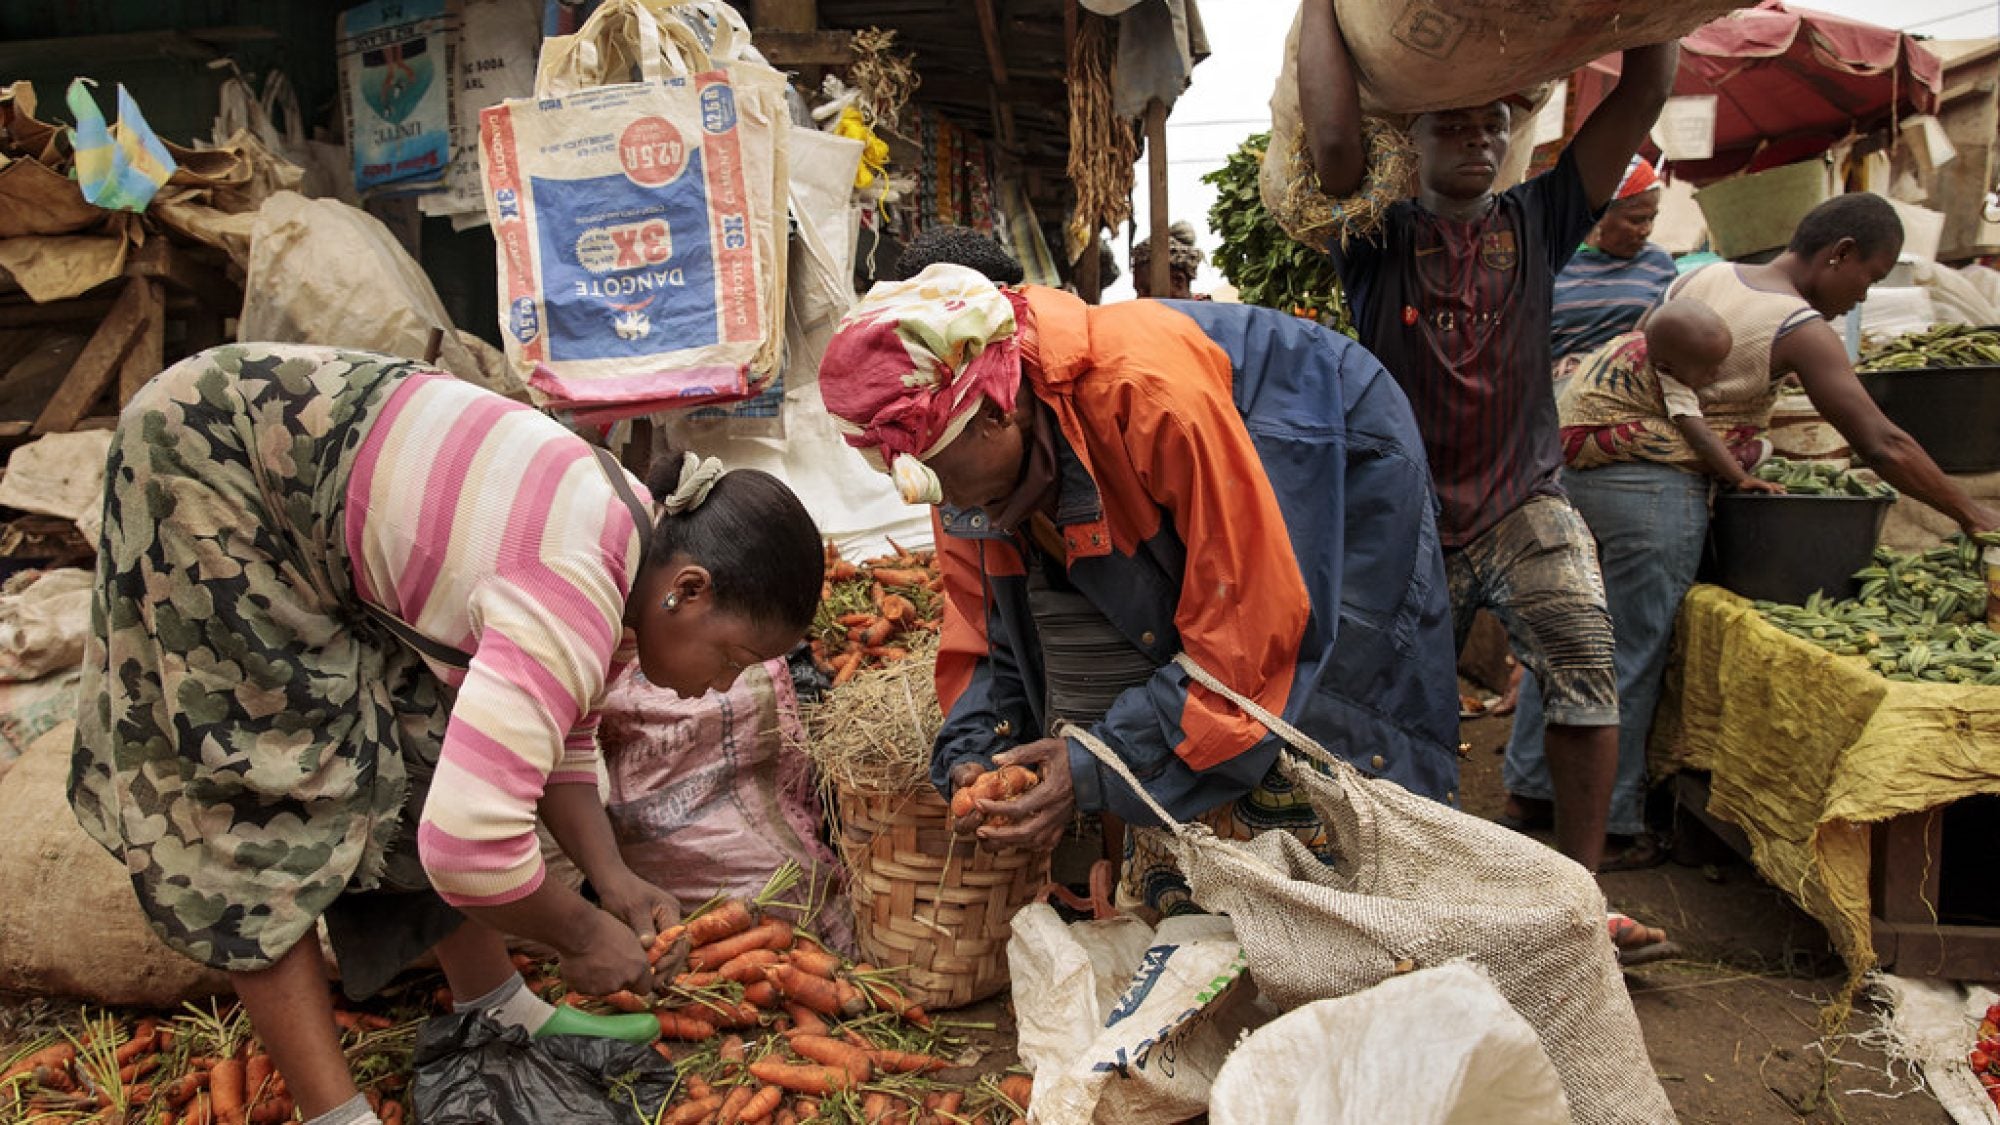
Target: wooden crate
1906,873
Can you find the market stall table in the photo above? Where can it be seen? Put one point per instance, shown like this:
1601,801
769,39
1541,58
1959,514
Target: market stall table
1836,778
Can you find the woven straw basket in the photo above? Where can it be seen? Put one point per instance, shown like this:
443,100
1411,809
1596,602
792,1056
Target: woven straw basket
928,902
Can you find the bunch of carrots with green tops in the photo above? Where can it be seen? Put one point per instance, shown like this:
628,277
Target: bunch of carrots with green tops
765,1024
868,613
202,1067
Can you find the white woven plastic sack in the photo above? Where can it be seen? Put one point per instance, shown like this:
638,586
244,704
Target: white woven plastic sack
1123,1024
1436,1047
1421,884
641,227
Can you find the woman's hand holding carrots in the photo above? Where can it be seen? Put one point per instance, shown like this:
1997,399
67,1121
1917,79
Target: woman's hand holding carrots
640,904
607,957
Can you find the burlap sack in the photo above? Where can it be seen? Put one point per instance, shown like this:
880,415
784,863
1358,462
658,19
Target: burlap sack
1416,55
71,926
1419,885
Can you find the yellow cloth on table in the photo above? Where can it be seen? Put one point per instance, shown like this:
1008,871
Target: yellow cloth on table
1805,749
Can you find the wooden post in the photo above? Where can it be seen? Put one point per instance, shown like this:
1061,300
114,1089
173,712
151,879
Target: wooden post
1089,279
1160,274
99,363
149,350
784,15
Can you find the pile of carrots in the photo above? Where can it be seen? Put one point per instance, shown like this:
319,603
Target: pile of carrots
203,1067
869,612
765,1024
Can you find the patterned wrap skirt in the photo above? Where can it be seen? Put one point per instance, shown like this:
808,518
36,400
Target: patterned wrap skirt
250,743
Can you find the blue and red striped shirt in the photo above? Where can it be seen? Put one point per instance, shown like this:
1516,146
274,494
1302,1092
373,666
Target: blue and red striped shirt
1600,297
1459,312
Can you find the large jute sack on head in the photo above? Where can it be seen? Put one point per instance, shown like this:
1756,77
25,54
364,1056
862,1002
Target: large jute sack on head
1290,187
71,926
1411,56
1420,884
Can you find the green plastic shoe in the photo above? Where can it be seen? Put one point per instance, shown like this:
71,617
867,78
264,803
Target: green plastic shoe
633,1027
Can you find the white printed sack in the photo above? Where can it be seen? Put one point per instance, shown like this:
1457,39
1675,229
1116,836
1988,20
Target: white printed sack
640,226
1124,1024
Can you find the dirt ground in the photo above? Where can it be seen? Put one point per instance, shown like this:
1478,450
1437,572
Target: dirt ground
1733,1027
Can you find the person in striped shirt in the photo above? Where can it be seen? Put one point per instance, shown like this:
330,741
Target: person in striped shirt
353,623
1615,276
1452,292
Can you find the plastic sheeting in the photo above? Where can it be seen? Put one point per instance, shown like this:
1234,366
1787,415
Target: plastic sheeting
1806,749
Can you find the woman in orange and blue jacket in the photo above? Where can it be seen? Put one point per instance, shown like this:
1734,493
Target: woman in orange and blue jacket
1220,480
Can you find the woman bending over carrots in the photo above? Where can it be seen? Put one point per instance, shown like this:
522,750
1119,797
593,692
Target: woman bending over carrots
353,622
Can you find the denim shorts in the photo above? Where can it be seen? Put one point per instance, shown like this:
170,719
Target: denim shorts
1537,571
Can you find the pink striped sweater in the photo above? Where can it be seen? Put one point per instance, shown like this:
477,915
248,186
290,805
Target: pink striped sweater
489,528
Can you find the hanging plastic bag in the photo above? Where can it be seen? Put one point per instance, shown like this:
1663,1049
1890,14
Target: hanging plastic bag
1356,1060
1123,1023
472,1071
640,226
396,70
120,168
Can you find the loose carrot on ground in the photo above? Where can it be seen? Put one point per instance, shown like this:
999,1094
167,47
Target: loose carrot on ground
56,1055
875,1107
727,920
138,1068
949,1101
805,1021
731,1050
694,1112
762,993
762,1104
733,1103
772,935
698,1088
137,1045
226,1091
786,1117
822,996
747,967
899,609
877,633
626,1001
806,1108
183,1089
833,1052
684,1027
906,1062
391,1113
816,1080
199,1111
1017,1088
849,620
844,667
814,960
697,980
890,576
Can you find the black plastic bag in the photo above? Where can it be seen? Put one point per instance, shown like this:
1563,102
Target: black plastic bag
472,1071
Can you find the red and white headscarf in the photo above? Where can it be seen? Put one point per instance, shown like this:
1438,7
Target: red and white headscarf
911,364
1640,177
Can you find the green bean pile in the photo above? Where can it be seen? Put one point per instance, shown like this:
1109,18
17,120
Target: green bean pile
1816,478
1947,345
1917,618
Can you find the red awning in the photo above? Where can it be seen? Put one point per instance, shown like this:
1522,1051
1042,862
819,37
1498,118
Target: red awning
1789,84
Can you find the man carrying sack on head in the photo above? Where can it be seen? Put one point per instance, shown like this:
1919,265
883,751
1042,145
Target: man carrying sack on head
1125,483
1453,292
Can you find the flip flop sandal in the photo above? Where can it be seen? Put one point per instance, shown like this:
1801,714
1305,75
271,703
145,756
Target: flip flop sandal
1638,944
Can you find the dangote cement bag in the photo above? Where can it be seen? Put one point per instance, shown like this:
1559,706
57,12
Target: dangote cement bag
641,225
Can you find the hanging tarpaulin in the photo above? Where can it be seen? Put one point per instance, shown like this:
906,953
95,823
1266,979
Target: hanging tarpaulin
1788,84
396,83
121,167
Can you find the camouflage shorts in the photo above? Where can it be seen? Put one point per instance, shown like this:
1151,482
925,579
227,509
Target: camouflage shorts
1150,882
247,740
1537,571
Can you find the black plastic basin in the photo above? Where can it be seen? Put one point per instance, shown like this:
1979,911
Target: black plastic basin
1953,412
1783,548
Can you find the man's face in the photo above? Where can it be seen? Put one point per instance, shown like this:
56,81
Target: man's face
1459,150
